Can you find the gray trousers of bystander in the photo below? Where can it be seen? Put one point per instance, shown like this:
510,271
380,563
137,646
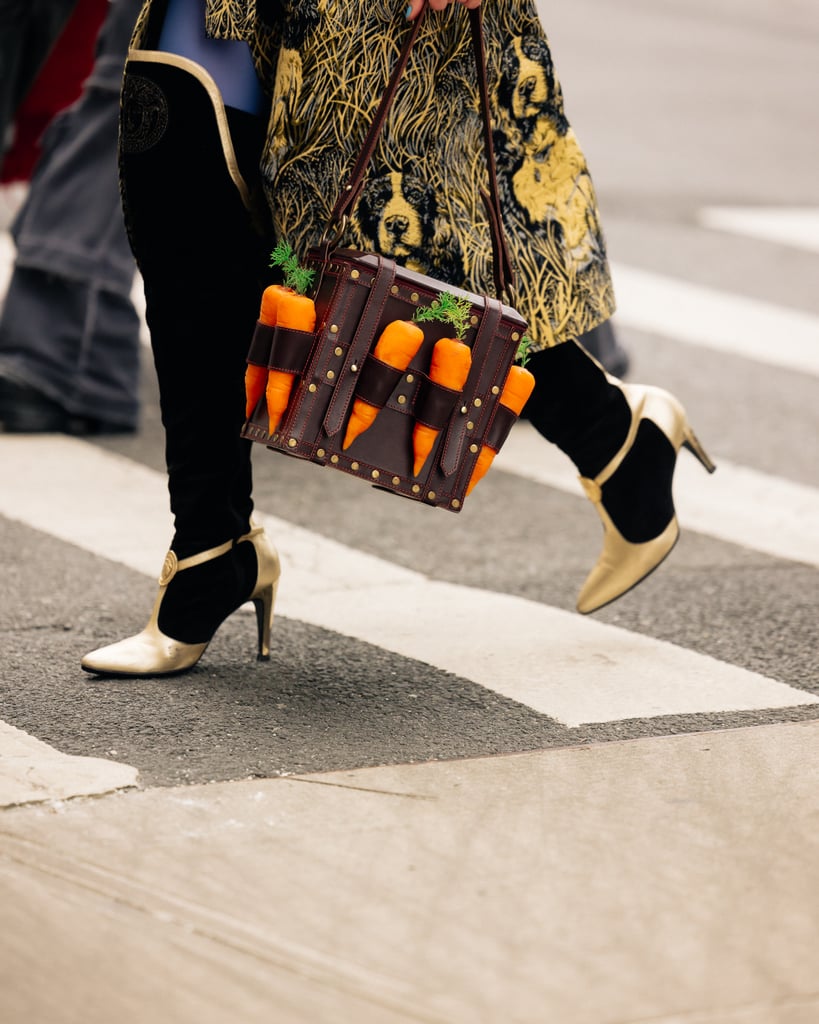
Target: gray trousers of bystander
69,332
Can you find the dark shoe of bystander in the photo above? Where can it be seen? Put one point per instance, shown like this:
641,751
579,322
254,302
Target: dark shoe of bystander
25,410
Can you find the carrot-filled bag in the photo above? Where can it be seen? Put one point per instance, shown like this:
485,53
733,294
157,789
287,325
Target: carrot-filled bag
414,421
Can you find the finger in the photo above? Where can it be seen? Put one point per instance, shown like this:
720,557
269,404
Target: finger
414,9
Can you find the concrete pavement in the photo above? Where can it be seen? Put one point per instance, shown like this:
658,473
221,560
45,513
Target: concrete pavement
32,771
669,880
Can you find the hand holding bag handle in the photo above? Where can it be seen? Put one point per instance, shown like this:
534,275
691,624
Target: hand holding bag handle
502,267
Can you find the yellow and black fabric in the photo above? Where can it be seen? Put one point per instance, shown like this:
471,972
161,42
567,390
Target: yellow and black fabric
324,66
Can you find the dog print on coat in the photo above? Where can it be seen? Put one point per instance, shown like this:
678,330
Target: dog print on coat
541,162
398,215
288,83
325,65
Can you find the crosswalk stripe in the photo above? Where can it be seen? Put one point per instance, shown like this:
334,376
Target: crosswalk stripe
666,306
574,669
700,316
691,313
742,506
794,226
7,252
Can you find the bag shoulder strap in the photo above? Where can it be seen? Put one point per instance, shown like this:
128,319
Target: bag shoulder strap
502,266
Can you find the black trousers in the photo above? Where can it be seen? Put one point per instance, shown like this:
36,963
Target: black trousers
189,179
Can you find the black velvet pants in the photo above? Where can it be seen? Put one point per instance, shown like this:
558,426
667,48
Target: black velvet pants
189,179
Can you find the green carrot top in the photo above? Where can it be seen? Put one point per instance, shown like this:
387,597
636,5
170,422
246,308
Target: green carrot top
448,309
296,276
522,354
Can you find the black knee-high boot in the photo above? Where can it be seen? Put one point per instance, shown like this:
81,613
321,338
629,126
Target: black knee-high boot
202,261
624,440
188,170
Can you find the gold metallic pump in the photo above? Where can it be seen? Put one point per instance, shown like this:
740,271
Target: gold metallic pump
624,563
152,653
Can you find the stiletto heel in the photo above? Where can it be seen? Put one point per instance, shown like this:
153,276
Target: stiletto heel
154,652
264,604
633,495
693,445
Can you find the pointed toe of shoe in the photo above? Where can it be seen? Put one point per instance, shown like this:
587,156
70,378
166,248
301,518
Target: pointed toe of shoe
622,566
148,654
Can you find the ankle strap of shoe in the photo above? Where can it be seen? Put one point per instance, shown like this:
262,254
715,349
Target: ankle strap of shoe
253,532
172,565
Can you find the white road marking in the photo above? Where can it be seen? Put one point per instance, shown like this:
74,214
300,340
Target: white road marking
571,668
31,771
736,504
7,254
138,299
691,313
794,226
662,305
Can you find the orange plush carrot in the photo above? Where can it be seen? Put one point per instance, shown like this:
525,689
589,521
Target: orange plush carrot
397,345
255,384
299,313
256,376
451,360
269,312
516,391
296,311
449,367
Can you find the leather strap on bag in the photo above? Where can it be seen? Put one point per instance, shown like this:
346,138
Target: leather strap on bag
359,346
478,382
502,266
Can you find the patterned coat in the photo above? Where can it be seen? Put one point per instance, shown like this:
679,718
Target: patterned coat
324,65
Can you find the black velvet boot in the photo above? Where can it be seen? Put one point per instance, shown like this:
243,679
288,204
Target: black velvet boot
624,440
188,168
602,343
189,173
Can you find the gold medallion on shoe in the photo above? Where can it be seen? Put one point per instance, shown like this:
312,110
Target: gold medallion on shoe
169,567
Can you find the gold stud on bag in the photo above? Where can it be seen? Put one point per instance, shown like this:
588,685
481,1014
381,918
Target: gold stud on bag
356,296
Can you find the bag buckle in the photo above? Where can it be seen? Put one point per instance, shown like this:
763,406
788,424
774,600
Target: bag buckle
333,232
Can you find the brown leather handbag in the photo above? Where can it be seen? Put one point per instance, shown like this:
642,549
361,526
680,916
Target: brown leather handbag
356,295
